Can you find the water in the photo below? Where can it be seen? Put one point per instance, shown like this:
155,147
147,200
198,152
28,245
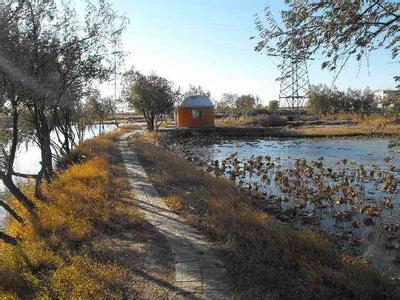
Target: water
373,154
28,159
369,152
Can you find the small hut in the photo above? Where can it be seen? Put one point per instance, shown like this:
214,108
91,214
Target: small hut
195,111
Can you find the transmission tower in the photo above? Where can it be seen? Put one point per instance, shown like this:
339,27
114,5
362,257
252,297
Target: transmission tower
295,85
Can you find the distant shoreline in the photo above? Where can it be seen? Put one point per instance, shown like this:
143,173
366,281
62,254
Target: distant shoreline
289,132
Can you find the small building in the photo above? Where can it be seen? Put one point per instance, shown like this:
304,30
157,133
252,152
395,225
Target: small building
195,111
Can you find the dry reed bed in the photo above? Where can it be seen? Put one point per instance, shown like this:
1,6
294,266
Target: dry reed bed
259,121
264,258
373,125
342,131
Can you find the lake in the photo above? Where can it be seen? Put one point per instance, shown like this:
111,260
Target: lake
28,159
369,152
344,186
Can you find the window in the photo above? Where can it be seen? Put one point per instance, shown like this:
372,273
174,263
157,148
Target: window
197,114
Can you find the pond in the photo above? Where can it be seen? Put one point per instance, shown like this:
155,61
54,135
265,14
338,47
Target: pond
346,187
28,158
369,152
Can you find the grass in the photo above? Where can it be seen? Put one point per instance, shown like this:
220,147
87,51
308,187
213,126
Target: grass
252,121
373,125
91,242
264,258
375,118
342,131
276,126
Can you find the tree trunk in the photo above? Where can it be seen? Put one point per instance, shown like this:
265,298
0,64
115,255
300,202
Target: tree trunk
16,192
45,147
38,190
7,177
150,123
47,159
11,212
8,238
46,171
150,126
14,139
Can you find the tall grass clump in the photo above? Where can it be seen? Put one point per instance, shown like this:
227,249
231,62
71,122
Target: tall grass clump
54,256
264,258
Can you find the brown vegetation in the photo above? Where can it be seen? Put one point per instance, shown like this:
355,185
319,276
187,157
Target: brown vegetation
373,125
337,131
263,257
252,121
90,241
372,119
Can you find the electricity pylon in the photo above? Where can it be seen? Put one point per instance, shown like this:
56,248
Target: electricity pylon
295,85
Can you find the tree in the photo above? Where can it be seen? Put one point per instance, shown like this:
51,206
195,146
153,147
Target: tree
273,105
321,100
227,104
337,30
197,90
9,140
11,100
324,100
54,58
247,103
391,103
152,95
362,101
48,58
98,108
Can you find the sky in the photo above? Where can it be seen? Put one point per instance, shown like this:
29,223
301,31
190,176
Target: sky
207,43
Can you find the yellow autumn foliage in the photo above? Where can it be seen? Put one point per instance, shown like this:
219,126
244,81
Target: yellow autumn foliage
85,278
53,256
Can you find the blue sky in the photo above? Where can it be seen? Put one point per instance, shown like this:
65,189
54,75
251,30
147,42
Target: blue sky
206,42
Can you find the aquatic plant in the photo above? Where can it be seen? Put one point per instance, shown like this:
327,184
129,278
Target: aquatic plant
264,256
310,193
355,204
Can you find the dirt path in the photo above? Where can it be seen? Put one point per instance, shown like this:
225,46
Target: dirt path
199,274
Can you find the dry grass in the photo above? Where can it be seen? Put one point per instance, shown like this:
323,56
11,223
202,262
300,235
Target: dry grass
91,242
363,129
373,125
252,121
357,118
168,124
263,257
